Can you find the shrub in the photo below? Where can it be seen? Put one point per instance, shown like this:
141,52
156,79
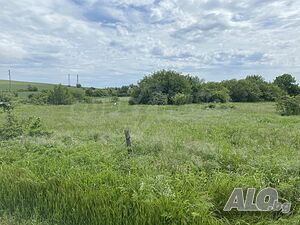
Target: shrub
289,105
114,99
7,97
32,88
14,128
158,98
181,99
6,101
98,101
35,128
88,99
60,95
212,92
77,94
39,98
11,128
211,106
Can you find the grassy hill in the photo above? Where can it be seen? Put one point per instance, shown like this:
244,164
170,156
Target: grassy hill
20,85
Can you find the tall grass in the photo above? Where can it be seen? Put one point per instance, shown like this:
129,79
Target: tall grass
186,162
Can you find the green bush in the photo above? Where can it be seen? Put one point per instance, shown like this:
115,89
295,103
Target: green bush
39,98
60,95
181,99
289,105
35,128
32,88
88,99
7,97
77,94
11,128
158,98
213,92
211,106
14,127
114,99
132,101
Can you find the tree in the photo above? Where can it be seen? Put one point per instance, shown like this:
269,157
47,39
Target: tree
158,98
289,105
169,83
269,91
287,83
181,99
213,92
244,90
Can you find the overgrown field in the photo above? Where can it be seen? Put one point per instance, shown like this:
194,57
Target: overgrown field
187,160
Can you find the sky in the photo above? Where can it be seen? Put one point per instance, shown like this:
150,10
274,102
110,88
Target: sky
118,42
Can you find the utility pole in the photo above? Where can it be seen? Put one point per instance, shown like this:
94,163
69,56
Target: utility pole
77,80
9,78
69,80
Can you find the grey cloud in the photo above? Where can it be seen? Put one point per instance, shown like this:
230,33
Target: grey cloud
97,37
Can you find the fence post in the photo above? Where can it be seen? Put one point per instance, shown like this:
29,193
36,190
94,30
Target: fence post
128,142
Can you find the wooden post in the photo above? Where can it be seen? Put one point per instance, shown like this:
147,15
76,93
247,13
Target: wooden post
128,142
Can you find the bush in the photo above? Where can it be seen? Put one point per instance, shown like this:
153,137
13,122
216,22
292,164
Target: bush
132,101
39,98
60,95
88,99
181,99
35,128
77,94
289,105
7,97
211,92
211,106
32,88
11,128
158,98
14,128
114,99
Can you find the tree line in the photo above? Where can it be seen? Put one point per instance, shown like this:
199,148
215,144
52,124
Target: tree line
172,88
168,87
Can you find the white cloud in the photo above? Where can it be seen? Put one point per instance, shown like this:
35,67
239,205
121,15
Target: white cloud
119,41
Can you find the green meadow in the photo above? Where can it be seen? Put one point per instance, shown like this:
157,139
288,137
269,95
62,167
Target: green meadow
186,162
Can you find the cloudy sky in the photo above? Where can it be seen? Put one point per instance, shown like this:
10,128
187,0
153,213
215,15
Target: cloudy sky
116,42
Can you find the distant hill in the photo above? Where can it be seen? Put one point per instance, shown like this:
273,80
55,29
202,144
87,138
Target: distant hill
20,85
